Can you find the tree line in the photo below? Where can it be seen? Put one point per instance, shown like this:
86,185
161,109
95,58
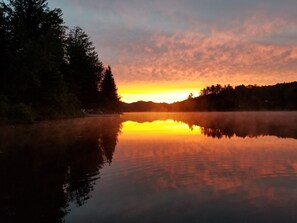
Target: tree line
48,70
246,98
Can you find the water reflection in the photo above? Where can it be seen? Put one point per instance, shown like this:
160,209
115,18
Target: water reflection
182,175
229,124
46,166
151,167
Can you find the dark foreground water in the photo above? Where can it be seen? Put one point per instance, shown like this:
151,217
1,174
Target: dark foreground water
151,167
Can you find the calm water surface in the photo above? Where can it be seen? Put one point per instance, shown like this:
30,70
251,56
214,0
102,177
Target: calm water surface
151,167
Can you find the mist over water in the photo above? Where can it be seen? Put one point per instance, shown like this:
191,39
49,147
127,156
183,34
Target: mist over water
151,167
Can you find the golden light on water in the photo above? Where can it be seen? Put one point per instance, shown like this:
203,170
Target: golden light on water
187,158
159,128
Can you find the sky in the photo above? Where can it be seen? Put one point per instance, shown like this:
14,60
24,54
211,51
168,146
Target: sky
163,50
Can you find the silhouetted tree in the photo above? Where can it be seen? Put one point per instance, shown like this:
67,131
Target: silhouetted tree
84,68
33,35
213,89
191,95
45,72
109,92
251,97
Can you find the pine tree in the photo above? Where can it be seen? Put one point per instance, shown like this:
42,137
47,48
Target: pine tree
109,93
84,68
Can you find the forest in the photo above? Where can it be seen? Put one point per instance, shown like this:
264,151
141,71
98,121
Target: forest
48,70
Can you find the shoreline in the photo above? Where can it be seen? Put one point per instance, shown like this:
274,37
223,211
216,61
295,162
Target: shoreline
24,123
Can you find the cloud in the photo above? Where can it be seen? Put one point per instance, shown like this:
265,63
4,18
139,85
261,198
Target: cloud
190,56
231,41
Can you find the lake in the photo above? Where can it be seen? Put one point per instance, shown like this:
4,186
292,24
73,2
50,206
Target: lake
151,167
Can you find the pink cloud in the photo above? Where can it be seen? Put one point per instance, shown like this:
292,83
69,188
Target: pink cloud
222,55
232,42
235,55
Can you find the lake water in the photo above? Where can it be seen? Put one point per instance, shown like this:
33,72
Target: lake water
151,167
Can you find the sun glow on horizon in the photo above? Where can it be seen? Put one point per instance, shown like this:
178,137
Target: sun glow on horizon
159,93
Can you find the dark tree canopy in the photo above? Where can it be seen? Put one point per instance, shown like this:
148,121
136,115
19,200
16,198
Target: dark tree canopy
34,45
46,70
84,68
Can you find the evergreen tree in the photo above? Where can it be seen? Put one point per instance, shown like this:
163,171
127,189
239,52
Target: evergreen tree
35,48
84,68
45,71
109,92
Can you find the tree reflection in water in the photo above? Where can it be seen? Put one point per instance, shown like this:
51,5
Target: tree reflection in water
46,166
230,124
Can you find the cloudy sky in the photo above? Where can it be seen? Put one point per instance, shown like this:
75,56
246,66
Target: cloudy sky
161,50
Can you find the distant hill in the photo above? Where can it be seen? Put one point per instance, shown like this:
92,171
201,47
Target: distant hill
142,106
216,98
